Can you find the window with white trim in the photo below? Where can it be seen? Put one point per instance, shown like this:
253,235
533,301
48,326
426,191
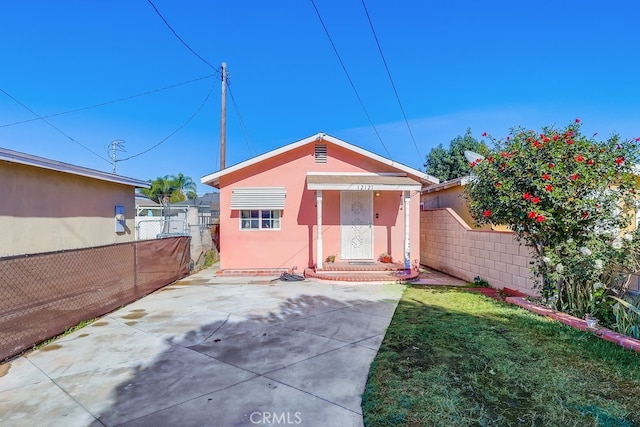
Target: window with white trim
259,219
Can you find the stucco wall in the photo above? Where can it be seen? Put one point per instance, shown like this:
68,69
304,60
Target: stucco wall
43,210
294,244
449,245
453,198
449,198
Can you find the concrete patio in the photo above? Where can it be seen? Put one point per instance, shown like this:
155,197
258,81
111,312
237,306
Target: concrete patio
209,351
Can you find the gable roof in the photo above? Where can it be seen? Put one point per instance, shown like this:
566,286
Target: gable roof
207,199
54,165
142,200
461,181
214,178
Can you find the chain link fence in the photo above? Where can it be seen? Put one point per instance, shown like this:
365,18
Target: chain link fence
153,227
44,294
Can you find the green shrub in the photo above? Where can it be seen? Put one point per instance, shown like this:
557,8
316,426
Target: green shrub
560,192
627,316
209,258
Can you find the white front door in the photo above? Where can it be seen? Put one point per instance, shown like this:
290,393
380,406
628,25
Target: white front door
356,224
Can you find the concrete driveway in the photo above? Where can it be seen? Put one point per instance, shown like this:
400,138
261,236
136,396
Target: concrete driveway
207,351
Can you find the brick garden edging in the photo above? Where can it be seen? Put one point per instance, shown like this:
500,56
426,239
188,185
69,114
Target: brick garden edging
574,322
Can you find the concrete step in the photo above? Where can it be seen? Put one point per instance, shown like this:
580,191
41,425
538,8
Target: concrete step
398,276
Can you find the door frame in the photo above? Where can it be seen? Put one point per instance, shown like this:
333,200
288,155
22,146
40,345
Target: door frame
369,255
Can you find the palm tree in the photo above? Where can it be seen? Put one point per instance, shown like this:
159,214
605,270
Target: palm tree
161,189
184,188
170,188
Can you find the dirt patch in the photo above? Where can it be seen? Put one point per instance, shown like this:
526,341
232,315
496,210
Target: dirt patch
4,369
51,347
192,283
100,324
134,315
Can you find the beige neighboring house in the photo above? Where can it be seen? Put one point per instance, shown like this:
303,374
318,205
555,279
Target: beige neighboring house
447,194
48,205
450,194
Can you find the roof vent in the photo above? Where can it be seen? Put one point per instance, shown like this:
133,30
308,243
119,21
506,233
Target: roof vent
321,153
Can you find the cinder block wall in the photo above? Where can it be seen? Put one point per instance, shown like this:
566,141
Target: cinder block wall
449,245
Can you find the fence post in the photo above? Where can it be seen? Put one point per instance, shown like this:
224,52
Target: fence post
194,231
135,266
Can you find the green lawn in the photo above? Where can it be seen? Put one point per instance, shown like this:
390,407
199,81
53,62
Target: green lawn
454,358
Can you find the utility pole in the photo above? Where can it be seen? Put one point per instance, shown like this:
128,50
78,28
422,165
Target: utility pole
223,117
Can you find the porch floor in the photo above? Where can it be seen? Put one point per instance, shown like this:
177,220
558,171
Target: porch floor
363,271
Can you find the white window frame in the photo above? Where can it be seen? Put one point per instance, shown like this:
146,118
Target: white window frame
272,218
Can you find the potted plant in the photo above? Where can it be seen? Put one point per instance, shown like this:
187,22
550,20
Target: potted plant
331,258
385,257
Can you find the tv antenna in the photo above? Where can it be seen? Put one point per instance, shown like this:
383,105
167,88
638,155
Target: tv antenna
472,156
116,146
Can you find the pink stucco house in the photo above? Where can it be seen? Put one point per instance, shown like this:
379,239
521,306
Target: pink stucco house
291,208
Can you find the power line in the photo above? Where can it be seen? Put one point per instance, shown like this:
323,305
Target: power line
375,36
180,38
102,104
349,77
175,131
245,133
53,126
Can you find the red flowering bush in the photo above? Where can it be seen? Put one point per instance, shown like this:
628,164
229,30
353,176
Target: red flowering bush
563,194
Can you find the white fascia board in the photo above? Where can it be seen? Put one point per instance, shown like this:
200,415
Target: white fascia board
356,174
213,179
369,154
369,187
54,165
462,181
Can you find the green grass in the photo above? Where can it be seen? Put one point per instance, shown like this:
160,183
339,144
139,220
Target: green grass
65,333
455,358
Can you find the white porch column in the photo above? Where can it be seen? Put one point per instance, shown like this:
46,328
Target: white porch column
319,257
407,241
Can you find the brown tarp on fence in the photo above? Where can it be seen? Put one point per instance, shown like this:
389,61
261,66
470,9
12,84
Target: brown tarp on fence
42,295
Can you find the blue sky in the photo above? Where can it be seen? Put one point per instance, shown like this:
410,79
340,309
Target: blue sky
484,65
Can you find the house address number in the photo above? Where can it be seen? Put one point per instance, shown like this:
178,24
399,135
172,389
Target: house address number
364,187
